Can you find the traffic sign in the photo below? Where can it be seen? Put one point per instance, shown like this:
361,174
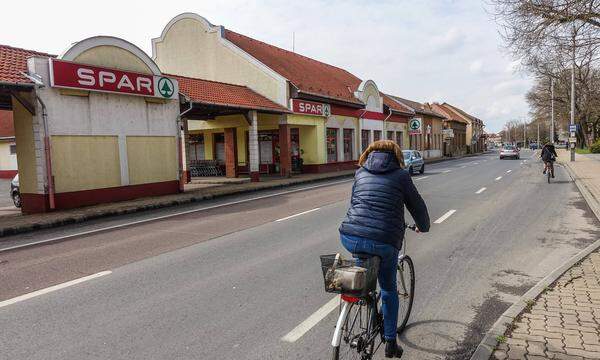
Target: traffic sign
573,128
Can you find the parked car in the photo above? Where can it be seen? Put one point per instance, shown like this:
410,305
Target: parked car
413,161
15,194
509,151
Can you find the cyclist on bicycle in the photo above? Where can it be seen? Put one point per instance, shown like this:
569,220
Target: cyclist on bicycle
375,223
548,156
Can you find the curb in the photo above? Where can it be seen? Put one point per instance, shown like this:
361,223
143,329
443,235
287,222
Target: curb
490,340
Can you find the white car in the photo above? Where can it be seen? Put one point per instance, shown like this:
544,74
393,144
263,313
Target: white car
509,151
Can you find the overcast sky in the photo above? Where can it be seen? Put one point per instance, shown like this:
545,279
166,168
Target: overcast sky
424,50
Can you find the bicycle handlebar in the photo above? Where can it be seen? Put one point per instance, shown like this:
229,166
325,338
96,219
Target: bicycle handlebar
413,227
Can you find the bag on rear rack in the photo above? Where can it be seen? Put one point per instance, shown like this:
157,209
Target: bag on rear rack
350,277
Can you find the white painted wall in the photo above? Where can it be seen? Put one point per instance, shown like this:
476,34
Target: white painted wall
8,161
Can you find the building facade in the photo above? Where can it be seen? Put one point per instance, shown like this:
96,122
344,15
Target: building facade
332,114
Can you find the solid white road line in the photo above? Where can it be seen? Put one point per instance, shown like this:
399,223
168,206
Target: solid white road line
137,222
298,214
52,288
444,217
311,321
508,171
498,178
421,178
480,190
446,171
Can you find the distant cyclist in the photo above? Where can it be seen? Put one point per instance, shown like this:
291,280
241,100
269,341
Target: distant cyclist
549,156
375,223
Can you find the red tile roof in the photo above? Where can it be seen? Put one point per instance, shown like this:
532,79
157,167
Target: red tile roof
420,108
13,62
308,75
449,114
462,113
223,94
395,105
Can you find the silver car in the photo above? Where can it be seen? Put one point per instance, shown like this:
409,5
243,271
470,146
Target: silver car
509,151
413,161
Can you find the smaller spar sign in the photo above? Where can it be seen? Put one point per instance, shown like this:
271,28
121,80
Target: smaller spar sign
70,75
310,108
415,126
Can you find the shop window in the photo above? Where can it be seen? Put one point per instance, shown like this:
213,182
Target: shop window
376,135
348,144
196,146
219,147
364,139
399,138
13,149
390,135
332,145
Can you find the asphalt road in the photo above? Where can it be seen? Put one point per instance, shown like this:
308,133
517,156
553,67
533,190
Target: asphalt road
229,282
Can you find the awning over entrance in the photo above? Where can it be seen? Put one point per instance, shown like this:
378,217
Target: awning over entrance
211,98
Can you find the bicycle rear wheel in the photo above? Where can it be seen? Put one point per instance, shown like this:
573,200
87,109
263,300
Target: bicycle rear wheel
406,290
356,342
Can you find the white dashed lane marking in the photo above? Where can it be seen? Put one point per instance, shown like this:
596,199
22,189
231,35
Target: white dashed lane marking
444,217
480,190
50,289
293,216
498,178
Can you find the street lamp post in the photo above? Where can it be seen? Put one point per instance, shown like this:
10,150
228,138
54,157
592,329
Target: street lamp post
552,109
573,95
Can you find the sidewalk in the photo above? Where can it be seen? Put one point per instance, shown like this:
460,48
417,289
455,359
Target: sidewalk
563,322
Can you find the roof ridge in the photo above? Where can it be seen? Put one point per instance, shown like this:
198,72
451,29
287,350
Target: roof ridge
27,50
293,53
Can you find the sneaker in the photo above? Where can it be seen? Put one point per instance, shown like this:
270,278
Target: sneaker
544,172
392,349
553,176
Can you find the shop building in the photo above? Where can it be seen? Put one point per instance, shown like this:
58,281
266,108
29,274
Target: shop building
430,141
95,124
454,131
474,133
8,146
331,114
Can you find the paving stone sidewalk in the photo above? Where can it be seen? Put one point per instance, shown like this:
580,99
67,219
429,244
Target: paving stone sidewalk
564,321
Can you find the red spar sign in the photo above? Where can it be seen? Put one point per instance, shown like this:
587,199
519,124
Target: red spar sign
70,75
310,108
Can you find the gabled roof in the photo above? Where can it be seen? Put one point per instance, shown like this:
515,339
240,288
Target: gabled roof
418,107
13,62
467,117
308,75
226,95
447,113
396,106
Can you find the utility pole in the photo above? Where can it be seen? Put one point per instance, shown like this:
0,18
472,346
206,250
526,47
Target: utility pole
552,114
538,136
524,134
573,94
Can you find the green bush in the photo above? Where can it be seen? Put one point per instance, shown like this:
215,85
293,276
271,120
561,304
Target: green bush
595,148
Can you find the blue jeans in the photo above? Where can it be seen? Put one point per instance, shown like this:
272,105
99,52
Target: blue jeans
387,277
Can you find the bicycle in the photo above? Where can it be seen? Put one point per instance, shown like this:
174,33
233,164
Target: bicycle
549,169
358,332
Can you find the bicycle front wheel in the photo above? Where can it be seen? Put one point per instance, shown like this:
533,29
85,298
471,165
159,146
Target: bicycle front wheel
406,290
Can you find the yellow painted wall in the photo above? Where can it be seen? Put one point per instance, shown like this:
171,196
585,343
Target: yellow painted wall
189,49
85,162
151,159
26,160
113,57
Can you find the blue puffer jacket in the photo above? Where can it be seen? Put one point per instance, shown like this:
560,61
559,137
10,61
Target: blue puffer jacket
380,191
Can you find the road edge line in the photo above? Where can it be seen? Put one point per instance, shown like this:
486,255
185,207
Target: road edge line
490,340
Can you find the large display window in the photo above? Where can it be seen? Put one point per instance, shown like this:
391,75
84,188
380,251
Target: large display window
332,145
